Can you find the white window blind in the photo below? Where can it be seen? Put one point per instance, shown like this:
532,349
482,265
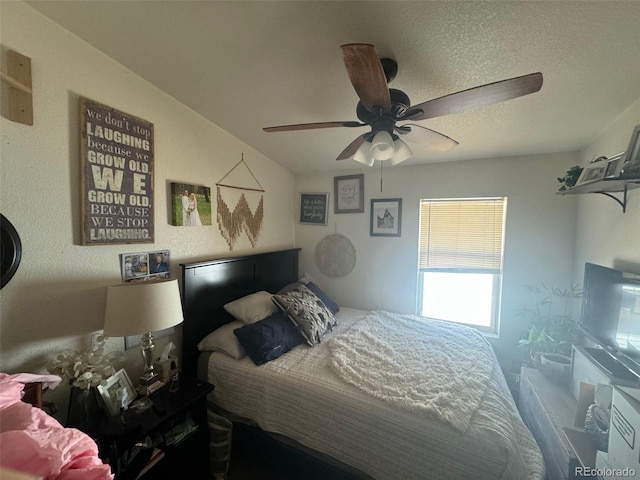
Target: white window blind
462,234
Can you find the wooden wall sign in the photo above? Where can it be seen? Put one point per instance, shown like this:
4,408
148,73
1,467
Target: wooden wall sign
116,154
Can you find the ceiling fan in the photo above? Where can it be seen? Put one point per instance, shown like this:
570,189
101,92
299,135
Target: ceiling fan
382,108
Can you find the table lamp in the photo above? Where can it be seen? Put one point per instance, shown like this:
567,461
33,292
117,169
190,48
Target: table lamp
142,308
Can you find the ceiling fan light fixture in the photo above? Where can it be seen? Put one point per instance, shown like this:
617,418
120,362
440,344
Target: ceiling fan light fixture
382,146
363,154
403,152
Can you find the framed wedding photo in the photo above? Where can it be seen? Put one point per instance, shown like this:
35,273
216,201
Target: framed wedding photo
386,217
348,193
118,392
314,208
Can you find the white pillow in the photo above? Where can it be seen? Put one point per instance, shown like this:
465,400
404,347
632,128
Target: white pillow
224,340
252,308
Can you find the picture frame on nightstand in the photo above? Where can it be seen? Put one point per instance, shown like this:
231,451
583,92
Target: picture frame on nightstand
118,392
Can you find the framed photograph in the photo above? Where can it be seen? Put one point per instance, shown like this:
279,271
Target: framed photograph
614,165
144,266
190,205
593,172
314,208
349,194
386,217
631,163
118,392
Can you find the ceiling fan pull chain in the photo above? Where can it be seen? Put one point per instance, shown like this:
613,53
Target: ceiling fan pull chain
381,176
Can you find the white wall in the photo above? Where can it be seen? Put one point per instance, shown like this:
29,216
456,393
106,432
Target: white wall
539,237
56,298
605,235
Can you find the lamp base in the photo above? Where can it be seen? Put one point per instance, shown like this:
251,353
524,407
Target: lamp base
147,390
149,383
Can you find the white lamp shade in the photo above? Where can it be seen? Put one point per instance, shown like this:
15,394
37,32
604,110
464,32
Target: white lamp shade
363,154
382,146
137,308
403,152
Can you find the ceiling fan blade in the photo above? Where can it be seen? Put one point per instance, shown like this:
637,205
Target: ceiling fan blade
367,76
479,96
352,148
427,137
310,126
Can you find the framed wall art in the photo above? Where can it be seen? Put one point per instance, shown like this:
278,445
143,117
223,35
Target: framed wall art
348,193
314,208
190,205
116,154
386,217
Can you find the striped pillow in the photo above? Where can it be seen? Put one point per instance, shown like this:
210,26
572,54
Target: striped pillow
307,312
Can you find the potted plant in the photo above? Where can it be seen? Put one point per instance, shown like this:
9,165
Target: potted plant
570,178
552,330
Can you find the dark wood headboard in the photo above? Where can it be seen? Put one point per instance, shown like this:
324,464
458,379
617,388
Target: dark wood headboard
208,286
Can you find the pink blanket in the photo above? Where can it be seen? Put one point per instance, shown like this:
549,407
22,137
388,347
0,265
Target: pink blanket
33,442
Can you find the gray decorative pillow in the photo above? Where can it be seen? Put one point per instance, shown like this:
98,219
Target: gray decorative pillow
251,308
307,312
224,340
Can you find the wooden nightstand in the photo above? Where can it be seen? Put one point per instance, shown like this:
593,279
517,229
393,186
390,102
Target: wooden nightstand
131,443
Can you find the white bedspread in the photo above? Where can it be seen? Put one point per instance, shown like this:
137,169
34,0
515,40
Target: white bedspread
424,366
301,397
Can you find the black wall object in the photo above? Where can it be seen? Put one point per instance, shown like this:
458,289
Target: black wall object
11,251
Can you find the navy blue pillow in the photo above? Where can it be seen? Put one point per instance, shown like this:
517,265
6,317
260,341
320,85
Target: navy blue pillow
267,339
330,304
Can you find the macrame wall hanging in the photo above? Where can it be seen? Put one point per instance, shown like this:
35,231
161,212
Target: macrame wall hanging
236,191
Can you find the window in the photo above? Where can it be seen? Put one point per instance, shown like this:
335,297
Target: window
460,260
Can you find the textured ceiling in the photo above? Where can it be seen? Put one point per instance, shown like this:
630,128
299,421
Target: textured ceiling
247,65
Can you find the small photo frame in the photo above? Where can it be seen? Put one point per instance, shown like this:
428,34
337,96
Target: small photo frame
118,392
314,208
614,165
386,217
631,163
145,266
348,193
593,172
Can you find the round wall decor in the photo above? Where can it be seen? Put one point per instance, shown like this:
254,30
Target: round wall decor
11,250
335,256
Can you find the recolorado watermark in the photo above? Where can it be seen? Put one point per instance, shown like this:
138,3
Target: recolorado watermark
604,472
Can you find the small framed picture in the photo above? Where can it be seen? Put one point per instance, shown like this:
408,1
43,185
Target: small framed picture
386,217
348,193
118,392
593,172
631,162
614,165
314,208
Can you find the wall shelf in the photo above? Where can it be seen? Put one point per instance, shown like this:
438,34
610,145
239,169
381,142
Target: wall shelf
608,187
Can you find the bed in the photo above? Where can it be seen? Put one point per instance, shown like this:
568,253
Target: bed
33,445
342,401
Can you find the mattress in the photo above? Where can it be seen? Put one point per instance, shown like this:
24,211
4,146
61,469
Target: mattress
299,396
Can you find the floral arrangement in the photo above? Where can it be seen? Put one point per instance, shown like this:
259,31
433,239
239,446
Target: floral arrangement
88,368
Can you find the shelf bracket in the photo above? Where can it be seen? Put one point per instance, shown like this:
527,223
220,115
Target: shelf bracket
623,202
18,81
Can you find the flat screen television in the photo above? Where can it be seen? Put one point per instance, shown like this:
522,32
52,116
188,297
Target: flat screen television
611,312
